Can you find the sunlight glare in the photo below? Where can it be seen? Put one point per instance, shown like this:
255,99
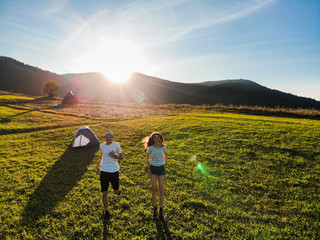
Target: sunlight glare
119,59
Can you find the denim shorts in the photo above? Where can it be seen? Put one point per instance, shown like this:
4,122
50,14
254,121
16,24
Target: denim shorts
158,170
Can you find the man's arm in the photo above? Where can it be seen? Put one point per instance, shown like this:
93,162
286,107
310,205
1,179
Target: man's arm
119,156
113,155
98,165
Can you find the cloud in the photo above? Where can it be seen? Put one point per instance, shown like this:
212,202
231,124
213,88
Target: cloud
167,21
151,23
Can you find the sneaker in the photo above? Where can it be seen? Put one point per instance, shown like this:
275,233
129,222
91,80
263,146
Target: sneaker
155,213
106,215
161,214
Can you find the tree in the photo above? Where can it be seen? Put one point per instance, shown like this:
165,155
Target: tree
51,88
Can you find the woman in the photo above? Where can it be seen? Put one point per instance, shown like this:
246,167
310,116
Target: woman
156,160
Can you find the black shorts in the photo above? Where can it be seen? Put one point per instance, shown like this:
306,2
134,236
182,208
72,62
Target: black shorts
158,170
106,178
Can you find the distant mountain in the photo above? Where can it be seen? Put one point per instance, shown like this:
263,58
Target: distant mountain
19,77
236,92
246,92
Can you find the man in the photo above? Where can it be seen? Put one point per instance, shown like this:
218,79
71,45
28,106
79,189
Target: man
110,154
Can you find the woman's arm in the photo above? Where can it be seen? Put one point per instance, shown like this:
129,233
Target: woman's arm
165,156
148,160
148,164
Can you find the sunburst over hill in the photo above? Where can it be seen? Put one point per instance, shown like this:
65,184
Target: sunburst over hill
95,87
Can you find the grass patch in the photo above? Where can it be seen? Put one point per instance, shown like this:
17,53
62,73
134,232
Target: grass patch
15,97
228,176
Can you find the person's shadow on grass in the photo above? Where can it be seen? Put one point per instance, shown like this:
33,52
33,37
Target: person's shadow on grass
163,230
57,183
106,225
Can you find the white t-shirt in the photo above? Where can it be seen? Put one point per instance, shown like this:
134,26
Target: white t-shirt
109,164
157,155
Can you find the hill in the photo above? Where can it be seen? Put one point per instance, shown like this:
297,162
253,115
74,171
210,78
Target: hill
246,92
19,77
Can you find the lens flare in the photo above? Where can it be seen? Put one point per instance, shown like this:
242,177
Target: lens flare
193,158
138,96
202,170
199,165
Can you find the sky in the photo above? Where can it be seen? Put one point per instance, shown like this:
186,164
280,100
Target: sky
275,43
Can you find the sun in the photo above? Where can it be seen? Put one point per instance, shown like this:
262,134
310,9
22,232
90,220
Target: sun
115,58
119,59
94,47
118,76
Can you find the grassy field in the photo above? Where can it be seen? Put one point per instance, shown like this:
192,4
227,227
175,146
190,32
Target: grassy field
229,176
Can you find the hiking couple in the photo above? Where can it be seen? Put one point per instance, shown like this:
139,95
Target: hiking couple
109,169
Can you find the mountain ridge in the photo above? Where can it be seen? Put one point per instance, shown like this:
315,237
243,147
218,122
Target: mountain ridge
16,76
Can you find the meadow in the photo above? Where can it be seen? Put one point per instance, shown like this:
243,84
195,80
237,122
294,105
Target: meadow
229,175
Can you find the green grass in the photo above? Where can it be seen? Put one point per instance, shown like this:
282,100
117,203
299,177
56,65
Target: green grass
14,97
229,176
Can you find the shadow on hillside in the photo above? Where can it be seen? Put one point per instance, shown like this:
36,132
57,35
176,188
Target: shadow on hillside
8,119
36,129
293,152
58,182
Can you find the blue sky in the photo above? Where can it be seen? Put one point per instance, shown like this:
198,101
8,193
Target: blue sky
275,43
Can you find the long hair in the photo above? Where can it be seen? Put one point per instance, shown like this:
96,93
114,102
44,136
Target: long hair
148,141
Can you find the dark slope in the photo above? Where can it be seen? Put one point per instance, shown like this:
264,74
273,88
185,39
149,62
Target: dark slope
18,77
